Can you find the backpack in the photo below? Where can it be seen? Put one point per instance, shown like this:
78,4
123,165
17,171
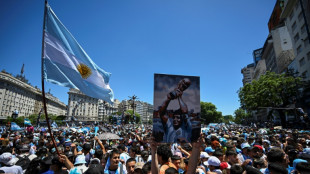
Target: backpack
23,162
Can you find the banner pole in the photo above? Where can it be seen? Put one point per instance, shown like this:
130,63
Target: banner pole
42,78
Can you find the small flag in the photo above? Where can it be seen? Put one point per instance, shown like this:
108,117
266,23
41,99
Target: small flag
96,130
54,125
65,63
27,121
15,127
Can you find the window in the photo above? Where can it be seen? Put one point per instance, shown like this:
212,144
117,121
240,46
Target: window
299,49
296,37
303,29
294,26
302,62
300,16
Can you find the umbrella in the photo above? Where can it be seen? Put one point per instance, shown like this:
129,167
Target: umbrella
108,136
104,129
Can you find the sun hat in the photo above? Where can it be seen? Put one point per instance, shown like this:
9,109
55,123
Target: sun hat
80,160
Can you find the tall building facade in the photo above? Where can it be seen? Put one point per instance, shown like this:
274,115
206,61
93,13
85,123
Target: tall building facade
106,109
82,107
144,109
17,95
295,16
85,108
248,73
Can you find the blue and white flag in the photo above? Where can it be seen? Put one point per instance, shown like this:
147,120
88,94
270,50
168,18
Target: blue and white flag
27,121
65,63
15,127
54,125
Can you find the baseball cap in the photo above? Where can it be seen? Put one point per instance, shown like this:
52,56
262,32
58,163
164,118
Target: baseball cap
266,141
204,155
80,160
224,165
213,161
259,147
245,145
209,150
8,159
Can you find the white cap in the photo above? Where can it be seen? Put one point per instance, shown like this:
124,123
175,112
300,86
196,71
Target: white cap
213,161
204,155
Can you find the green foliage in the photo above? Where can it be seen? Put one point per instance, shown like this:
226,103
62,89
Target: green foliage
240,115
270,90
209,113
228,118
130,113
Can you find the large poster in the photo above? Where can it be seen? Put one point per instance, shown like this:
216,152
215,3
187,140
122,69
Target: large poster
176,116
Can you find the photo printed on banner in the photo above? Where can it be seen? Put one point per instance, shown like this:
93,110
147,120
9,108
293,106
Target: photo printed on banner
176,116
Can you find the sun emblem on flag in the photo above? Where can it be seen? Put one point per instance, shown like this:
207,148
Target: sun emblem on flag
84,70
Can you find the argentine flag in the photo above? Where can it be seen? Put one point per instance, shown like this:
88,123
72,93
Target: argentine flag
27,121
65,63
15,127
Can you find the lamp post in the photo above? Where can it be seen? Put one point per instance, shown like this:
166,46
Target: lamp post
132,99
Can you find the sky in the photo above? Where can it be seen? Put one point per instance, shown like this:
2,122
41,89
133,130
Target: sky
134,39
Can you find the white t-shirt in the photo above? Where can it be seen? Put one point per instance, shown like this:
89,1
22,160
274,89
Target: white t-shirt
13,169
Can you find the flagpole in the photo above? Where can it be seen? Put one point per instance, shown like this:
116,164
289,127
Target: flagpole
42,74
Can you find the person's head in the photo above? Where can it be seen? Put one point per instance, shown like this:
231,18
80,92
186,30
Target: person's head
134,151
146,169
231,157
56,164
236,169
276,155
177,119
171,170
259,163
130,165
176,160
121,148
86,148
219,154
275,168
204,156
98,154
164,153
144,155
245,147
303,167
114,158
213,163
252,170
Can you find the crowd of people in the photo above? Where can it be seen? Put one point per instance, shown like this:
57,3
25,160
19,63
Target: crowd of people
230,149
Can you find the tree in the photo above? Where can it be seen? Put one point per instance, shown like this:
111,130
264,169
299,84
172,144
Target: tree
138,117
240,115
209,113
228,118
270,90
